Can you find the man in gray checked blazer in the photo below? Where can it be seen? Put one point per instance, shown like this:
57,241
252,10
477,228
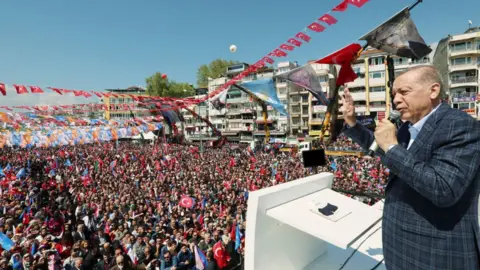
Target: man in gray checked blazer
430,217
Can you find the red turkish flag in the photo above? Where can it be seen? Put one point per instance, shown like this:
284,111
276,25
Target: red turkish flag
358,3
36,90
97,94
268,60
316,27
295,42
58,91
186,202
86,94
329,19
303,36
3,90
258,64
278,53
341,7
344,58
287,47
21,89
220,255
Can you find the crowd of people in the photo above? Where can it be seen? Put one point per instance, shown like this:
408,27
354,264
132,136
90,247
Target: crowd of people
137,206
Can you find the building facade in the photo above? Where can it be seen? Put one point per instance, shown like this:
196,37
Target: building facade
120,105
458,56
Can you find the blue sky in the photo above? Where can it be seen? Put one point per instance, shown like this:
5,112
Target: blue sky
93,44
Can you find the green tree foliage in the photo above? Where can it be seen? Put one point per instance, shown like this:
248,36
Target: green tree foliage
163,87
215,69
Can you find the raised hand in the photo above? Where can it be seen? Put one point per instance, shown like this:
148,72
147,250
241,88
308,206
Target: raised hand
348,108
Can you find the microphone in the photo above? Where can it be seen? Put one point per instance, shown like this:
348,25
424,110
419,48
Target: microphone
393,118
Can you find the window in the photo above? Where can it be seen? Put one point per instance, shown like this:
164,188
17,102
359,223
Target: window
282,90
323,78
283,101
461,46
377,75
283,69
377,104
304,98
305,110
375,61
281,80
377,89
461,61
424,60
478,44
400,61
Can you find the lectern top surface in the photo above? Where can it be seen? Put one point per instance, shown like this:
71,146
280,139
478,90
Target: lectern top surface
351,220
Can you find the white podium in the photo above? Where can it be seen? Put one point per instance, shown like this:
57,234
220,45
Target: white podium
286,231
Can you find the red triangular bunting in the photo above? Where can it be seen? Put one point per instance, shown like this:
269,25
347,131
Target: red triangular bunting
295,42
21,89
303,36
316,27
268,60
279,53
3,89
358,3
58,91
287,47
328,19
36,90
341,7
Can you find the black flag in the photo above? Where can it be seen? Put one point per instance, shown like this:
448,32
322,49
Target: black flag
398,36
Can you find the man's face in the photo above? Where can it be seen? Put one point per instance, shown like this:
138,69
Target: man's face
413,98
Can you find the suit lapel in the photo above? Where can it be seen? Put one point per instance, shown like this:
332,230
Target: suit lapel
422,137
428,128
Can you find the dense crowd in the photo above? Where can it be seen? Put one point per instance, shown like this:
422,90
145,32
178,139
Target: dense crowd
136,206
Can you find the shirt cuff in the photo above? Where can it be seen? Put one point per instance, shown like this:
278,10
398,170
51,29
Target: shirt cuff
390,147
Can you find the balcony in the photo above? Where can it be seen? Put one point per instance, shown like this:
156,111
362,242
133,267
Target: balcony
233,111
357,83
377,96
376,108
376,82
462,81
360,109
463,97
235,120
376,68
464,51
467,66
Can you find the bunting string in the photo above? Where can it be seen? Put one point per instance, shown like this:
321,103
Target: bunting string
319,25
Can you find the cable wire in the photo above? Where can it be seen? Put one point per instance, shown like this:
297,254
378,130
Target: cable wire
355,251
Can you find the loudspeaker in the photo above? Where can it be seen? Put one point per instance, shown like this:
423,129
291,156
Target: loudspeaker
314,158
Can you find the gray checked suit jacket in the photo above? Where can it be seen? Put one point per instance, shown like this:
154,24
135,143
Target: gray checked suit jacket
430,218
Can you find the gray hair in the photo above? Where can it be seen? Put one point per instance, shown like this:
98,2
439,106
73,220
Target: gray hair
429,75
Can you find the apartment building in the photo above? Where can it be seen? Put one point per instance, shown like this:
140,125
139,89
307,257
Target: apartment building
242,120
120,105
194,128
458,57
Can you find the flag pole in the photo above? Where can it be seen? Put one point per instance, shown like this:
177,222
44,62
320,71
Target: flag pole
415,4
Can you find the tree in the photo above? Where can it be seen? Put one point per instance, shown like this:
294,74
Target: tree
215,69
163,87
